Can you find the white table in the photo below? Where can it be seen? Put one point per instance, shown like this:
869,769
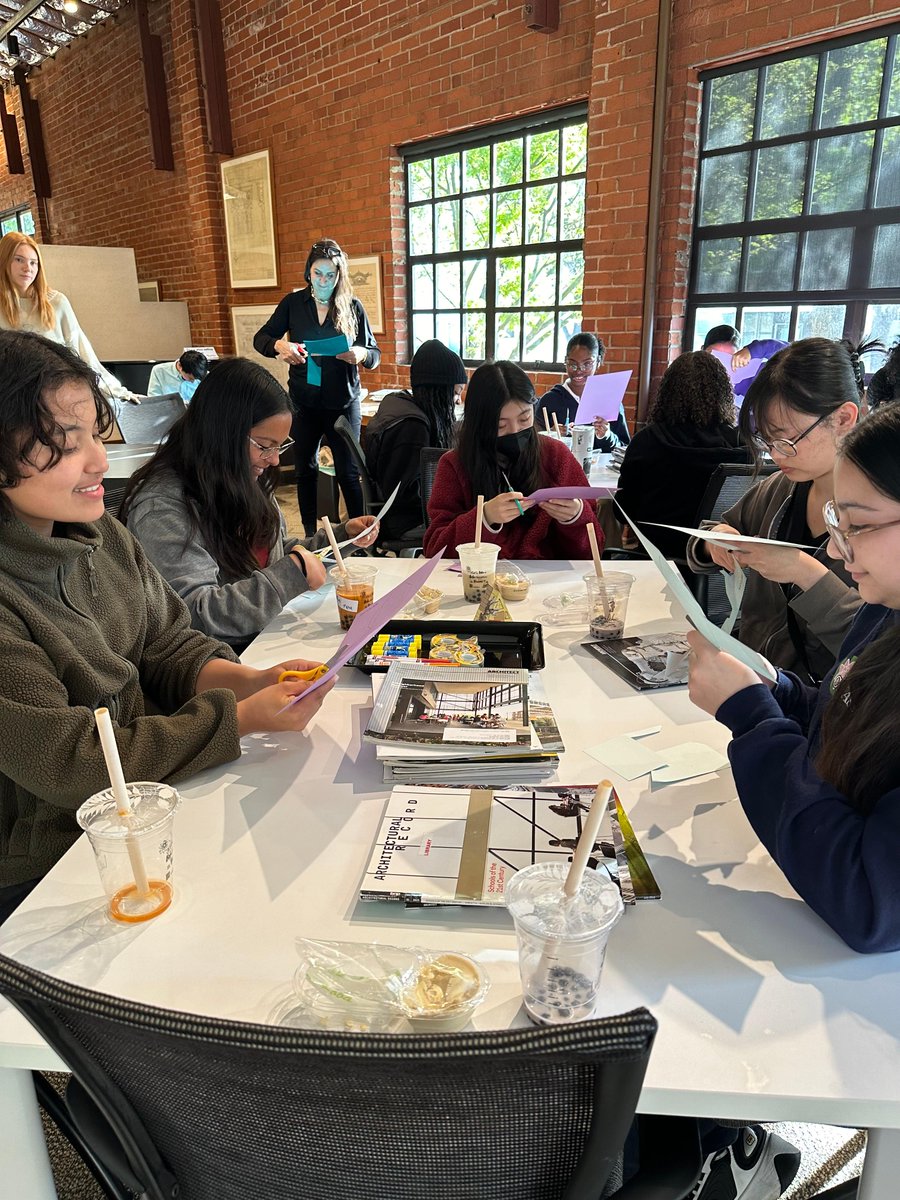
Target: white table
764,1013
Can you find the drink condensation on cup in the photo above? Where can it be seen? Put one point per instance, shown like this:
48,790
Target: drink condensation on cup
561,940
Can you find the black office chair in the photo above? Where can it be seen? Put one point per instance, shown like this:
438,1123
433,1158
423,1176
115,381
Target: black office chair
372,498
176,1104
429,457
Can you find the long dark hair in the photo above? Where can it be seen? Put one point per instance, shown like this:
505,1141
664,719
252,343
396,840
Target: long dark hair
33,369
813,376
860,753
207,450
492,386
435,400
695,390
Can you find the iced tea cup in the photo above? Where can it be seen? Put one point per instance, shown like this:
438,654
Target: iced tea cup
354,588
608,604
479,569
142,838
583,445
562,940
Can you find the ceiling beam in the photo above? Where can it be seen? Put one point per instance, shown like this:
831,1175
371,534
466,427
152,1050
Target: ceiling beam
13,23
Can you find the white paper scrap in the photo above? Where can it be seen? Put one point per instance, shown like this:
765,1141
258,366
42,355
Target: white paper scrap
688,761
626,757
326,551
719,538
735,582
636,733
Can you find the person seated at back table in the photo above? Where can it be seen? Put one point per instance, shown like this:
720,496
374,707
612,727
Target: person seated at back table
584,354
86,621
204,507
183,376
884,386
405,423
501,456
690,431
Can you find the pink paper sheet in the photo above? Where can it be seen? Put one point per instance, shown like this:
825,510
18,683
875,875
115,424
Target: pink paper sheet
569,493
602,397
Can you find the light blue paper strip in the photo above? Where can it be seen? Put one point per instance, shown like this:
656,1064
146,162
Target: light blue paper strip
735,582
696,615
324,348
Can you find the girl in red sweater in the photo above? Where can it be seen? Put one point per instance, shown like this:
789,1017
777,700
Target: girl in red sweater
501,456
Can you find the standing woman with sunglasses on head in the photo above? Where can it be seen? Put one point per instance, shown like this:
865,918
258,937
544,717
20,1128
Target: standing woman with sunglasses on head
798,604
325,308
584,354
204,507
818,769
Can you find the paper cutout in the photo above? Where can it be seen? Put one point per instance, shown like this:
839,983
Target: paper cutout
687,762
326,551
324,348
740,375
718,538
370,621
696,615
569,493
627,758
639,733
735,582
602,397
492,607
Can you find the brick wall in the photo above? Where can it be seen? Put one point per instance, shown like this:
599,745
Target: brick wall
333,88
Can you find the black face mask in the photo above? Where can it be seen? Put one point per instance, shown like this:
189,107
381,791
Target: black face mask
511,445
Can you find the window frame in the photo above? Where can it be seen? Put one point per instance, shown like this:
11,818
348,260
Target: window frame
17,213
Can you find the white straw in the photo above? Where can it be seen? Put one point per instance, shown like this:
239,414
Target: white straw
479,517
120,793
598,567
588,836
334,546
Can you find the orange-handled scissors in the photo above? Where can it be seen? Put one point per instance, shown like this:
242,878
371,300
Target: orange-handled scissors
308,676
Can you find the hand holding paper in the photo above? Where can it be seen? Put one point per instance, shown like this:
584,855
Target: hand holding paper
324,348
715,676
362,538
602,397
568,493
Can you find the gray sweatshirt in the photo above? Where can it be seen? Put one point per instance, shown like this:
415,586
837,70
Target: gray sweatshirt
234,610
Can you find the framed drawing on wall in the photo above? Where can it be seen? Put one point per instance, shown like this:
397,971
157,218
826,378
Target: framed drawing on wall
245,320
249,220
365,275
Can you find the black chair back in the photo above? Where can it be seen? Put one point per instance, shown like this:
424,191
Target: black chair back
429,457
222,1110
371,498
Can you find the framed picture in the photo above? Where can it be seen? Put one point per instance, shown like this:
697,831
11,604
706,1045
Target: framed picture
245,320
365,275
249,220
149,291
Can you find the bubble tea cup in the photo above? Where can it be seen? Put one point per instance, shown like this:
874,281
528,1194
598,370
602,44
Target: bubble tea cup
354,588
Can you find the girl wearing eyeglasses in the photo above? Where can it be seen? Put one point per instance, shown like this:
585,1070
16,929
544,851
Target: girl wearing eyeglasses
798,604
818,769
584,354
204,507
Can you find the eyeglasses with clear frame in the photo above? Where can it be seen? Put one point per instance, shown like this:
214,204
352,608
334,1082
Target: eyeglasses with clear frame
270,451
787,447
841,537
580,368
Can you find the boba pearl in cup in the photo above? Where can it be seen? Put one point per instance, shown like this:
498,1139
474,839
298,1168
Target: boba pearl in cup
607,603
354,587
479,569
133,848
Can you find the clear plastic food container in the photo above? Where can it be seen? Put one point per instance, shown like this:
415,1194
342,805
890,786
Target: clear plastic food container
512,581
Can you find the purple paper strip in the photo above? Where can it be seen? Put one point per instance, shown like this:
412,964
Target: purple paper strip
602,397
569,493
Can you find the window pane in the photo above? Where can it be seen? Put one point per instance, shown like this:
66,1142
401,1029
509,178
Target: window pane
706,319
506,338
842,172
540,337
780,174
474,283
476,222
540,279
508,162
770,262
423,285
571,277
893,106
420,235
574,148
765,324
446,175
572,209
788,97
723,188
9,224
509,282
887,190
719,265
474,335
448,292
826,260
820,320
446,215
732,99
423,329
886,256
419,180
508,219
882,322
543,154
568,325
540,213
476,168
26,221
448,330
852,83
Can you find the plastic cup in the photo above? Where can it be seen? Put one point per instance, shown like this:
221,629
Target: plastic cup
145,836
354,589
583,445
479,569
562,942
607,603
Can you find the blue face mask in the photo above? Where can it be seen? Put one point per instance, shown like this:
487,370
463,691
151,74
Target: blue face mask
323,289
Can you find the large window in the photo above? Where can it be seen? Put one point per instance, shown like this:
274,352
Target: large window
17,220
797,216
495,232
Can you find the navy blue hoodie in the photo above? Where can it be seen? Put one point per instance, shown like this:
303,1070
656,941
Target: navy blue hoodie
560,402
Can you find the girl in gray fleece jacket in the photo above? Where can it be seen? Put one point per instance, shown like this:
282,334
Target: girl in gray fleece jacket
204,507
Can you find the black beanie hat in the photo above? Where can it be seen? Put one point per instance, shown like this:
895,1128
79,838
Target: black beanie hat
434,364
722,333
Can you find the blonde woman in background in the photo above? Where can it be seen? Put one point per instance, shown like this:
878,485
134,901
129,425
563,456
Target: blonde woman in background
28,304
